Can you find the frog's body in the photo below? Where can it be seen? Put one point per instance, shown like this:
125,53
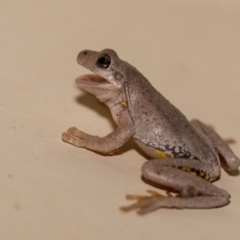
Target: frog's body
160,129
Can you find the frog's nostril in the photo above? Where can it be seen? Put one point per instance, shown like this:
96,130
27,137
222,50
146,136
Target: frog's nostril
81,56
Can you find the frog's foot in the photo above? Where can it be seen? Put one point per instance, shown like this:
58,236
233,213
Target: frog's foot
146,204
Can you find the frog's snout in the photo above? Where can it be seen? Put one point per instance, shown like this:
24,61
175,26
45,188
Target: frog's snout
81,58
87,59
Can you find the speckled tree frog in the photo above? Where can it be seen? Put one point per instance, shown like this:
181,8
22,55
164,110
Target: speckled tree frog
185,153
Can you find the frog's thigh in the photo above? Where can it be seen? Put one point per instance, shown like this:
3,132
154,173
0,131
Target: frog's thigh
195,192
217,143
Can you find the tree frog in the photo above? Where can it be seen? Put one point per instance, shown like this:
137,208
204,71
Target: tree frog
186,154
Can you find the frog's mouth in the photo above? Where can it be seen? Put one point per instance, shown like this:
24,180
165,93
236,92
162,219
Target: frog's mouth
91,79
96,85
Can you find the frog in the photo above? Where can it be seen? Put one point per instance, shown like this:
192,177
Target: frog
186,156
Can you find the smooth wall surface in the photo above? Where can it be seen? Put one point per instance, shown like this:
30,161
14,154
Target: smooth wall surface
190,52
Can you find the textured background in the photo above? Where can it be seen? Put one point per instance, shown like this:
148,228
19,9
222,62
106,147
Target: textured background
190,52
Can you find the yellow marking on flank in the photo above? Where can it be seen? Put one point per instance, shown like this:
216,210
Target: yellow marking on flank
207,177
193,173
162,154
124,104
186,169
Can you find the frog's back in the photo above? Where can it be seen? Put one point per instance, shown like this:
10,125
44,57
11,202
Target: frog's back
160,125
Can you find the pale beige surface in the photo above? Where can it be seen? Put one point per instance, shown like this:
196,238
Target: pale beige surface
190,50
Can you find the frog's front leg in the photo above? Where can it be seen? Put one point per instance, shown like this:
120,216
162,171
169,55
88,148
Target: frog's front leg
105,144
193,191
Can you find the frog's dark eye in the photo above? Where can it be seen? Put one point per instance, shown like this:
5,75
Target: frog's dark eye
104,61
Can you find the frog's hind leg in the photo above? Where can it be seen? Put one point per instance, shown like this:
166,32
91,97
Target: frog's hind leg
218,144
193,191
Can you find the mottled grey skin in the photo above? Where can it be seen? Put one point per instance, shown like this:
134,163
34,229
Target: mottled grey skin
186,153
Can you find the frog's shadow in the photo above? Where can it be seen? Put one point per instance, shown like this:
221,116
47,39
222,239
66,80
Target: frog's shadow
93,103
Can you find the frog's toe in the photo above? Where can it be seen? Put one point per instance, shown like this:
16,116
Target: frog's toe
156,194
144,204
139,204
143,197
77,133
73,140
65,137
72,130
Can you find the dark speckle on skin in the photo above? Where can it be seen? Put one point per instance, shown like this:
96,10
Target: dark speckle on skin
17,206
177,151
10,175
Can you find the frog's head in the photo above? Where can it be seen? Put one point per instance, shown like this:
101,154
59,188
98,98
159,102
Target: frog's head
107,79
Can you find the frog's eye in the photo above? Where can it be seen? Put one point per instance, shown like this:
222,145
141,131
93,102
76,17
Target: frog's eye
104,61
